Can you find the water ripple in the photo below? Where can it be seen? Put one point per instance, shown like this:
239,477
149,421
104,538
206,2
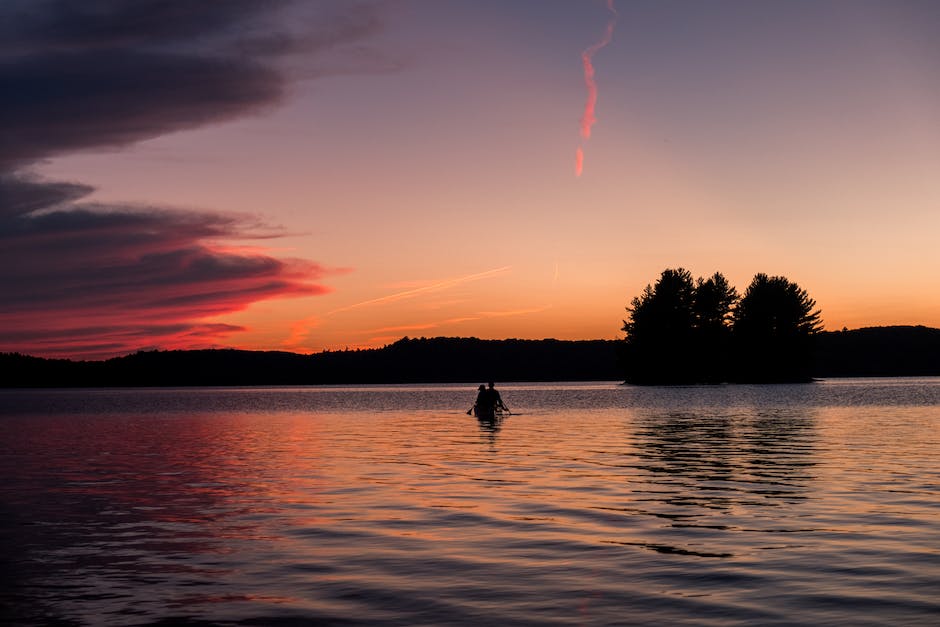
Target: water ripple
599,504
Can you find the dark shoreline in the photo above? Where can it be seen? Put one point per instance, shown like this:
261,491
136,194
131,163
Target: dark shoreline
869,352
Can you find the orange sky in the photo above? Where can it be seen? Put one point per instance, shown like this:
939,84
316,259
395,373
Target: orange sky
414,175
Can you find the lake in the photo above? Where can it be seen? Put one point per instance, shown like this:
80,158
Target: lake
594,504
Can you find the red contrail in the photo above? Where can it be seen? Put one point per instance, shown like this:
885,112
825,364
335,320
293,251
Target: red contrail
588,119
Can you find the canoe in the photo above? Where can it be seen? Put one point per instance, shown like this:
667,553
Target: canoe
484,414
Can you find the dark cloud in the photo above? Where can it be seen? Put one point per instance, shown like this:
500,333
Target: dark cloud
78,75
78,275
66,25
97,280
19,196
64,102
266,27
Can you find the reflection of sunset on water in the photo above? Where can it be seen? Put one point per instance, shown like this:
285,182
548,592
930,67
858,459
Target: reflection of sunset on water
391,504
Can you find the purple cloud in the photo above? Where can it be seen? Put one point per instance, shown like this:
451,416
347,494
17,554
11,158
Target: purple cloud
97,280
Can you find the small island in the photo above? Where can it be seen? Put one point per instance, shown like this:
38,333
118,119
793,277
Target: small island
684,331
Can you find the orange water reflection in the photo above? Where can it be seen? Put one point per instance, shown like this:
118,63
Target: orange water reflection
588,506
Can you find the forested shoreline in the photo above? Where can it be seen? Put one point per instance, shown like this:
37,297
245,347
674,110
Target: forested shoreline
867,352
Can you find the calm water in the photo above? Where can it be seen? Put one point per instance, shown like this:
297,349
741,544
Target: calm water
597,504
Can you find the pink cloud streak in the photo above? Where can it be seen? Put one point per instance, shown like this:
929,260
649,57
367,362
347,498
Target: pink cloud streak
91,281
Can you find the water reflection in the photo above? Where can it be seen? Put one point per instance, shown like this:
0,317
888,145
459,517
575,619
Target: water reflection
720,459
710,482
602,505
489,427
115,503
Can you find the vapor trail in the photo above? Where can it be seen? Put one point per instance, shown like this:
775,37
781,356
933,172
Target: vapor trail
588,118
435,287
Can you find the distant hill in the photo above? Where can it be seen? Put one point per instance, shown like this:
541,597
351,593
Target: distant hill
406,361
898,351
876,351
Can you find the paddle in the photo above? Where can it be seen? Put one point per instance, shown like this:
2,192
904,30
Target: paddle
508,412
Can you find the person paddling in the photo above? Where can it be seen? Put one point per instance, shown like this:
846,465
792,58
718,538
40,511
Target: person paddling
496,399
488,401
481,402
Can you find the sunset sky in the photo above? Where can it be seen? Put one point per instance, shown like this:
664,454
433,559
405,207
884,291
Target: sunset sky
319,175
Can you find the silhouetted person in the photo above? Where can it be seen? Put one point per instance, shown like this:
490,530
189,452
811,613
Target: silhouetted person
488,401
495,399
483,406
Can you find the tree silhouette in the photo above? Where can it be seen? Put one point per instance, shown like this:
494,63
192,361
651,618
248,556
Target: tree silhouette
713,308
774,327
659,345
714,302
679,331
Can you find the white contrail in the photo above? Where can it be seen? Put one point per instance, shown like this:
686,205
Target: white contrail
435,287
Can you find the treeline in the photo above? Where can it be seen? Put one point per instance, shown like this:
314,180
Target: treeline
682,331
877,351
900,351
408,360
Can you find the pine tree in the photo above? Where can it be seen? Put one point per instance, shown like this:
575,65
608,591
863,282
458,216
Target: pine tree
774,327
658,347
